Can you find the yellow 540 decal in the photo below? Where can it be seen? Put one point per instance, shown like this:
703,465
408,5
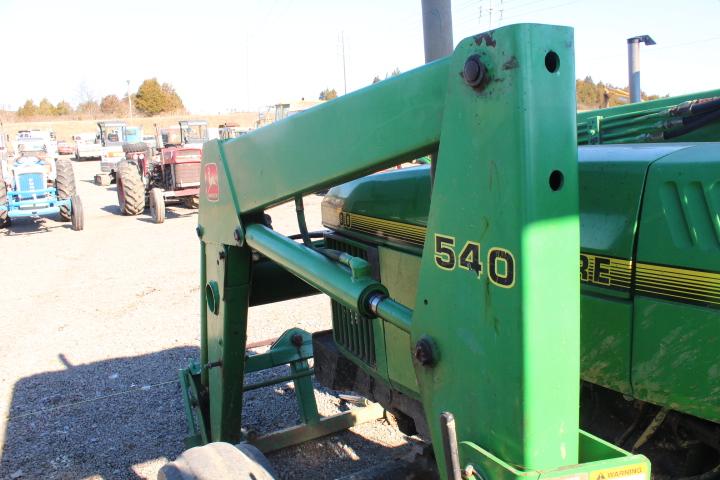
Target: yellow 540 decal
500,262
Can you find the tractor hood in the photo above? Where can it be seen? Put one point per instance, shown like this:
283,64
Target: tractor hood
392,208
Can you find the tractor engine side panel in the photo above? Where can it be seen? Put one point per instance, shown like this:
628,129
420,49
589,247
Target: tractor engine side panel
659,202
677,306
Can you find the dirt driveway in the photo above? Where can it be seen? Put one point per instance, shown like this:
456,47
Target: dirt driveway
95,325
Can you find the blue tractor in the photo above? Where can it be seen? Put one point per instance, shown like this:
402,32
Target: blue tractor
33,184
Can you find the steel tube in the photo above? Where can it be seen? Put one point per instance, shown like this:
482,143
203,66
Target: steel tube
277,380
395,313
313,267
203,317
634,69
437,29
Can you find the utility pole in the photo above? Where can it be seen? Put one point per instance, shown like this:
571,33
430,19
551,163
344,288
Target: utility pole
490,15
342,41
634,64
247,72
437,29
438,40
129,101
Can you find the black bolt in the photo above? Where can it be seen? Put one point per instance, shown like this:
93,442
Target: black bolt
474,71
221,255
424,352
213,364
199,230
297,340
238,236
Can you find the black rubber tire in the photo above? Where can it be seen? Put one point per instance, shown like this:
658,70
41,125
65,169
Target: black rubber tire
191,202
130,188
65,184
4,218
78,216
219,461
135,147
157,205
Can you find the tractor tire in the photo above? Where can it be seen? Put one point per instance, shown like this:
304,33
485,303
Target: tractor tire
4,218
219,461
191,202
134,147
65,185
157,205
130,189
78,216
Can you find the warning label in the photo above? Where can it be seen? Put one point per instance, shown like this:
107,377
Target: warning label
629,472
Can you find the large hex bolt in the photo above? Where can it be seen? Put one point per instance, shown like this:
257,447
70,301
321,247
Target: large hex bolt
474,71
425,353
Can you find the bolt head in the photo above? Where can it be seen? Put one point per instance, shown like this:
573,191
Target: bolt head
239,237
424,353
474,71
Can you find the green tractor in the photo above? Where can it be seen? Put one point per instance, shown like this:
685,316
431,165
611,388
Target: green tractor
531,308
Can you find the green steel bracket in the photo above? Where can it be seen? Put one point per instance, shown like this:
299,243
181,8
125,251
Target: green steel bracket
293,348
324,426
497,312
598,460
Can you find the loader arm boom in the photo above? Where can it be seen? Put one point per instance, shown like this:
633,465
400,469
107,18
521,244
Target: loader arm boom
494,334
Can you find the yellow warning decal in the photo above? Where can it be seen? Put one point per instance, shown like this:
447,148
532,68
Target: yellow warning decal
628,472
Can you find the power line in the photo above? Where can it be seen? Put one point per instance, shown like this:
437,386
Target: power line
543,9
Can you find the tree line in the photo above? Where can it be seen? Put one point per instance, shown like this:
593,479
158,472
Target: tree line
591,95
152,98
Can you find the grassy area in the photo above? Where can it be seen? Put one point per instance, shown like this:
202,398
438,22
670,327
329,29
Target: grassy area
65,129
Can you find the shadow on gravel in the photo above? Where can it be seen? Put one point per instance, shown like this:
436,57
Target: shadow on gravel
170,213
92,182
174,211
32,226
114,209
96,419
100,419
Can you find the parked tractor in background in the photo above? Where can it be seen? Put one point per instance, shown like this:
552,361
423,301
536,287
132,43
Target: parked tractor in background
87,146
112,137
65,148
172,176
29,140
227,131
4,141
34,183
133,134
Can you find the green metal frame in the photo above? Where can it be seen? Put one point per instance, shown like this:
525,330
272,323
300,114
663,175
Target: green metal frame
293,348
645,122
496,319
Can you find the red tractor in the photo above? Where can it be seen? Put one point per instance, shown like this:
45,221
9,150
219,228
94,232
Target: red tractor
171,176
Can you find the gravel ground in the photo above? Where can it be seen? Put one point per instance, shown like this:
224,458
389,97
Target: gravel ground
97,323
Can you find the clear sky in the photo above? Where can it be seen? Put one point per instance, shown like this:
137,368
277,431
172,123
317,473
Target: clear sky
224,55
